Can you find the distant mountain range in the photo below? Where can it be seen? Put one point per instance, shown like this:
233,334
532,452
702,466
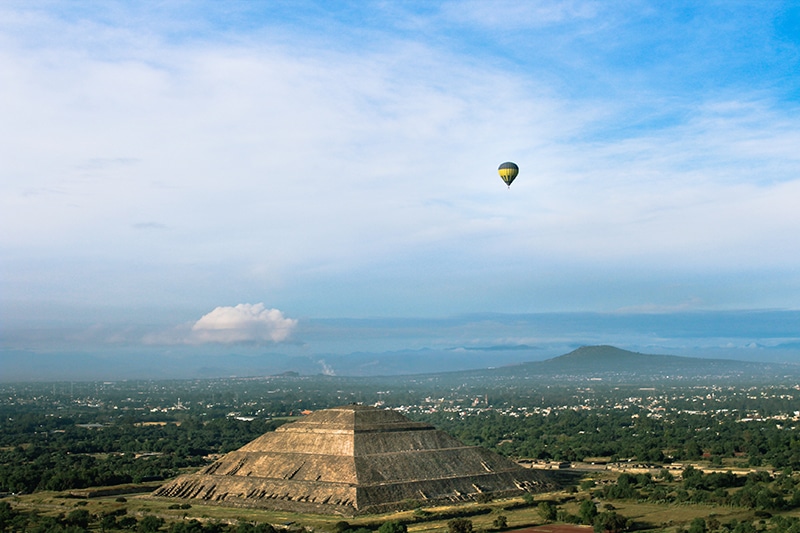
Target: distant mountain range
606,363
614,364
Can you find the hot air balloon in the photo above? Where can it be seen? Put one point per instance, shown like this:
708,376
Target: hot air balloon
508,171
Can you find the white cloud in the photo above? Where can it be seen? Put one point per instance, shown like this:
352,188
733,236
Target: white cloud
137,163
242,323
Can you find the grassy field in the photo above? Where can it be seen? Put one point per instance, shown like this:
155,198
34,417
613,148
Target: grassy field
647,516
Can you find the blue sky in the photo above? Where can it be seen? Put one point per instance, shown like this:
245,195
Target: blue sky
213,174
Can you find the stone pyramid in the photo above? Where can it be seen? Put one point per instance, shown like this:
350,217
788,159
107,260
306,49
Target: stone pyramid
353,460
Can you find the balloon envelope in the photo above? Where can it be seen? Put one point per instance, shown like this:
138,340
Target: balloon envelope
508,171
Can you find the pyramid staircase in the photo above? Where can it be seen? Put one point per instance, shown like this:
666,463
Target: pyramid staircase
353,460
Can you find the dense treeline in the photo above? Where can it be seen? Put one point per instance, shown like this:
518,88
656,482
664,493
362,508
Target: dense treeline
756,490
81,521
41,452
192,436
573,435
67,436
45,453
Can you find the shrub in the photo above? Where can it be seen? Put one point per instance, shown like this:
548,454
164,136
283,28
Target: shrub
393,526
501,522
459,525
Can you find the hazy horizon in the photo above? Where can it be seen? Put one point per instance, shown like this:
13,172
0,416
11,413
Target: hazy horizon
363,347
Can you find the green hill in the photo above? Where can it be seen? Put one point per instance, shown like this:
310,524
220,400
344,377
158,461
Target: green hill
609,363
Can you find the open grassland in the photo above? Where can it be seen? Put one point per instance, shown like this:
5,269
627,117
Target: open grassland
645,516
652,516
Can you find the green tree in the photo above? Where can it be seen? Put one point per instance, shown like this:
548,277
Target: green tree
127,522
341,526
587,512
501,522
459,525
666,475
393,526
547,511
7,515
108,521
698,525
610,522
193,526
79,518
150,524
